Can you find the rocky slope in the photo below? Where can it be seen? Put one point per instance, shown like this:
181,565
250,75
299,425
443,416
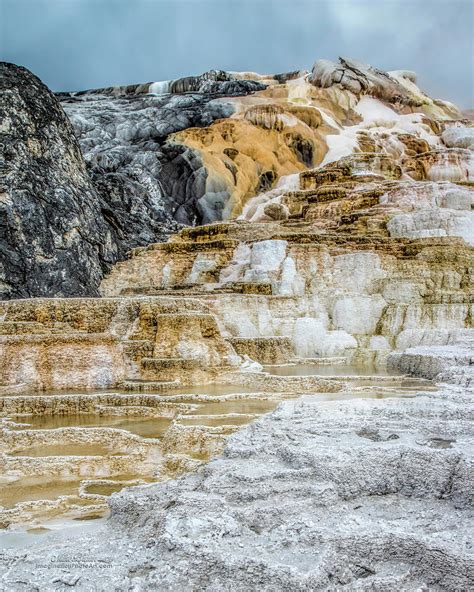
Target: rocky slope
354,248
62,225
352,495
189,151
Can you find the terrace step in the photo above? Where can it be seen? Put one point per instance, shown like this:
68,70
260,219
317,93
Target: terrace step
136,349
22,328
198,290
264,288
265,350
180,363
319,361
148,385
448,297
186,370
188,247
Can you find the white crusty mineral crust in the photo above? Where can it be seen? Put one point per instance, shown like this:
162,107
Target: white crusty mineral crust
459,137
452,363
349,495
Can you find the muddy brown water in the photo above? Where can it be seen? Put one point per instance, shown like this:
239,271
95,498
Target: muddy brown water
44,450
327,370
244,407
34,489
146,427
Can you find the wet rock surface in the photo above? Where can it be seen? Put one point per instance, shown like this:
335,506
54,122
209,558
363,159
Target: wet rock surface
366,258
146,179
355,495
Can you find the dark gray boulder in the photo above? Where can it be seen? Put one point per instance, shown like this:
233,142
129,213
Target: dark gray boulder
62,228
53,236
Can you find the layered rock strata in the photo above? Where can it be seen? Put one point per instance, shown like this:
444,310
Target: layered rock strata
192,151
336,291
356,250
100,343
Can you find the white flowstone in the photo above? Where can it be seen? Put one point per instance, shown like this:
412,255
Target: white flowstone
291,283
240,261
459,137
402,292
202,264
358,314
422,195
379,343
336,343
431,223
160,88
268,255
410,338
459,170
266,259
381,123
308,335
358,271
166,273
249,365
254,209
312,339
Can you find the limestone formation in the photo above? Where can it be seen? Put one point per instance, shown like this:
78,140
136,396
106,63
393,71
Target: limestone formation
337,289
353,495
65,222
189,151
82,344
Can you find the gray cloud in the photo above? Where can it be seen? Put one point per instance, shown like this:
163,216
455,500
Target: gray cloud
77,44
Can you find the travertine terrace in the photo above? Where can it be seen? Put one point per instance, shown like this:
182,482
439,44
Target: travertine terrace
348,242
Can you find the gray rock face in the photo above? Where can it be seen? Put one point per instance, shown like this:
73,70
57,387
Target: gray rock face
217,82
123,133
124,142
361,78
64,222
448,363
54,239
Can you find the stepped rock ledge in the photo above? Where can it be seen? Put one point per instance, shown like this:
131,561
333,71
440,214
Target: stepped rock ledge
218,230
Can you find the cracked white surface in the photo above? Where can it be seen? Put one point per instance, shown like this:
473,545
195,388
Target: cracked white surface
360,494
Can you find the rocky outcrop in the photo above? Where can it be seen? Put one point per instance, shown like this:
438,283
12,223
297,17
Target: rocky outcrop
397,87
197,147
64,222
137,165
54,237
216,82
60,232
196,150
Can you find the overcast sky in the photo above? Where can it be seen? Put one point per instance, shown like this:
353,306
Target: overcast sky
78,44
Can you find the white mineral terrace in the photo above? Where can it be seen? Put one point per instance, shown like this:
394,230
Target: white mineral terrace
279,399
64,453
377,469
